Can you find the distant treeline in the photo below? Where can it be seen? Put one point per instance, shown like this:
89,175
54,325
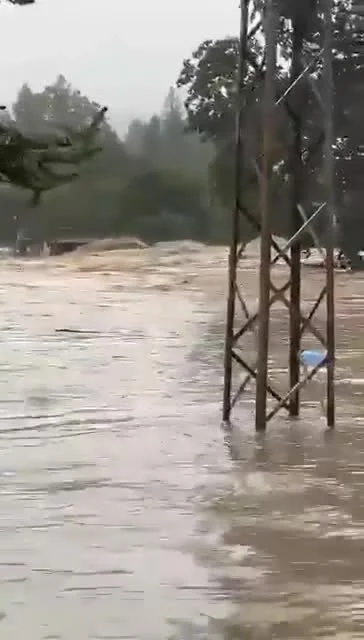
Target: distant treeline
153,184
172,176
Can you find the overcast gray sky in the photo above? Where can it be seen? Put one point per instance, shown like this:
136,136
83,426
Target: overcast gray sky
122,53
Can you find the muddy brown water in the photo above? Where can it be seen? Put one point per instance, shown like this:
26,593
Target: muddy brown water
126,511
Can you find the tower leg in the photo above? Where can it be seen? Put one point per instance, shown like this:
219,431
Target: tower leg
296,181
295,330
229,331
266,214
235,234
329,173
263,332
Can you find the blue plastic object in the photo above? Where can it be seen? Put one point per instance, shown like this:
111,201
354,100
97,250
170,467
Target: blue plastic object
313,358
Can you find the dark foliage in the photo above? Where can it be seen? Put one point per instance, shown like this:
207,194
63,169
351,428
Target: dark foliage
153,184
209,79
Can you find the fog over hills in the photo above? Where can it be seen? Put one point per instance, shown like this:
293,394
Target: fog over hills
122,54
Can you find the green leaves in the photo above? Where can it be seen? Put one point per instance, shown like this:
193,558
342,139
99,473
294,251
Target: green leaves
34,146
28,161
209,77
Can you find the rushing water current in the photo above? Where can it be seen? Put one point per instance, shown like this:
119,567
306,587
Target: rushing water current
126,511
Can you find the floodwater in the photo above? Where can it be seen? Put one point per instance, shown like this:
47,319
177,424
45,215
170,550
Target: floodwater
127,512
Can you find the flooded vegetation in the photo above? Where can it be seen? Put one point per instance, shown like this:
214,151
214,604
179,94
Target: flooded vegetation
127,512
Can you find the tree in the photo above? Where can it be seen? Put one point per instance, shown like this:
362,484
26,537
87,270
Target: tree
163,205
348,71
135,136
62,107
28,110
172,115
166,141
209,78
209,75
173,135
151,142
28,161
56,130
173,166
152,185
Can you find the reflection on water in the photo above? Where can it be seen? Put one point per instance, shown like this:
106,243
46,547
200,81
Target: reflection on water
126,511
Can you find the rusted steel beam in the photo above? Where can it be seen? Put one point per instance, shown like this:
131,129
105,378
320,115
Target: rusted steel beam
233,261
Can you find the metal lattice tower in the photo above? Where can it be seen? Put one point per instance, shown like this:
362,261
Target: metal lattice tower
310,67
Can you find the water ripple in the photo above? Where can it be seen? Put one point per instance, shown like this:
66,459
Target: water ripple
126,511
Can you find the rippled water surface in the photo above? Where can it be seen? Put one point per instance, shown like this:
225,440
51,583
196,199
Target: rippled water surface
126,511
